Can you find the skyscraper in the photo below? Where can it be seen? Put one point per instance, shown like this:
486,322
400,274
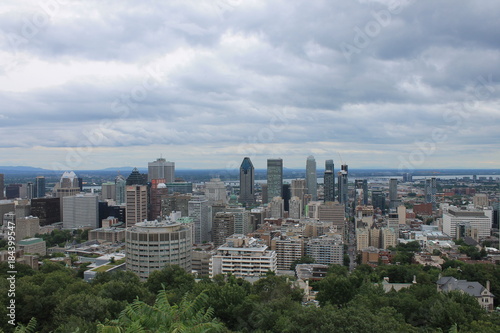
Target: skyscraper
361,187
329,186
393,192
215,191
430,191
136,178
274,178
120,184
39,187
201,213
247,179
80,211
137,204
161,169
311,178
342,184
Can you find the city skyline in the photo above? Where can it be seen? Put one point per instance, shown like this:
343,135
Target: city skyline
384,84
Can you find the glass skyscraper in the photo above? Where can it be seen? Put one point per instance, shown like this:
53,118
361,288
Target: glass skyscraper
247,179
274,178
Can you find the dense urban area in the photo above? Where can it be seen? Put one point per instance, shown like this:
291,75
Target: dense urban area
322,249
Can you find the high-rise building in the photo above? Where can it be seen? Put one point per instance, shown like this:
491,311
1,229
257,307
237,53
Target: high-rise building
158,191
274,178
152,245
378,200
393,193
241,220
311,178
458,223
286,196
215,191
13,191
137,178
361,187
136,203
200,211
48,210
39,187
108,191
27,227
342,184
298,188
2,186
247,180
329,186
223,227
295,208
277,208
120,193
326,250
288,250
430,192
81,211
161,169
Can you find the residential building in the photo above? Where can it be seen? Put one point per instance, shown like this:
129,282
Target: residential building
27,227
483,295
243,257
326,250
222,227
200,211
311,178
288,250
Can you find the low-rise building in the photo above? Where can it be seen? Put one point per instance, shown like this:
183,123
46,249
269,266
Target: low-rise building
33,246
243,256
483,295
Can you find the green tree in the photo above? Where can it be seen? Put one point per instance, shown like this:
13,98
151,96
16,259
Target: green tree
187,316
174,279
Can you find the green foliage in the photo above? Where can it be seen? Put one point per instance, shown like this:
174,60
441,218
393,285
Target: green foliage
174,279
303,260
187,316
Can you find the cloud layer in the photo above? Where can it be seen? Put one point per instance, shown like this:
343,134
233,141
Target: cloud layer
385,84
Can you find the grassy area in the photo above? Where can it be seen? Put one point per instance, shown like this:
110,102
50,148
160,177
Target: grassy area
104,268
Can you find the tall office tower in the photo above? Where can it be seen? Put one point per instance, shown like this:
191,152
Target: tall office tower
152,245
247,181
137,178
161,169
274,178
2,186
295,208
200,211
120,185
48,210
81,211
407,177
361,187
39,187
215,191
223,227
393,193
342,184
68,185
286,196
263,187
136,204
430,191
108,191
378,200
311,178
329,187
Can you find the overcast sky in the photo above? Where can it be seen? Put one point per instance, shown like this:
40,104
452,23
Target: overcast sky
375,84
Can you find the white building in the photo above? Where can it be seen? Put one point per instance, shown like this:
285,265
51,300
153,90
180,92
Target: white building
151,245
288,249
243,257
201,213
81,211
472,222
326,250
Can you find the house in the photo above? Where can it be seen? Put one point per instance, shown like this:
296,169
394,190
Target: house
483,295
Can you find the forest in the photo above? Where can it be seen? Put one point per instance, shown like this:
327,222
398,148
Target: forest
57,299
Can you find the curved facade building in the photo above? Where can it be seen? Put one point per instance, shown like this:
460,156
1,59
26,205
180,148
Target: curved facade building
151,245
